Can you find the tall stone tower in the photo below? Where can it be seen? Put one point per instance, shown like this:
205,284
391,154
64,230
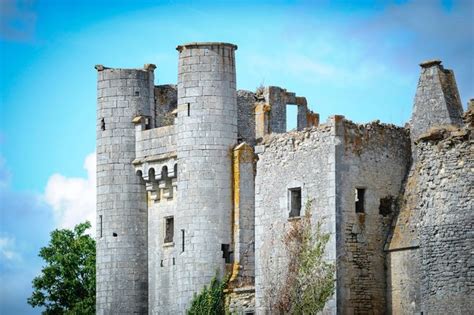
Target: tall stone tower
122,273
437,100
206,134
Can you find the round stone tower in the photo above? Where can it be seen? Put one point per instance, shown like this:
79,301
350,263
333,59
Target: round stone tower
206,134
122,273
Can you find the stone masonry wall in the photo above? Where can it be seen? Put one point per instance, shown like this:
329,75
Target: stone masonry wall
446,203
403,281
162,257
166,101
241,290
297,159
122,263
206,135
276,97
246,116
373,157
437,100
155,142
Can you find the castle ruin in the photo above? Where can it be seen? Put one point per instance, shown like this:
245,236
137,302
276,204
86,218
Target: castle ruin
201,177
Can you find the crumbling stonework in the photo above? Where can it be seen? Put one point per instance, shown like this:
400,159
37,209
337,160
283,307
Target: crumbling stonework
198,178
166,101
374,157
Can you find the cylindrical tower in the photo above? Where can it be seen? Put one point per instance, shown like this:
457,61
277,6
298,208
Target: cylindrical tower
206,134
122,273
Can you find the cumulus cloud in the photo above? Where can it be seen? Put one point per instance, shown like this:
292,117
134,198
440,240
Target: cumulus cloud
73,198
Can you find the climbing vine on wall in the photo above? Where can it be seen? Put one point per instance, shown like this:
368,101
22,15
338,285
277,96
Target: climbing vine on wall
211,300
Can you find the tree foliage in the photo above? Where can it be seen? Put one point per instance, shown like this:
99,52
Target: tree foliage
309,281
66,284
211,300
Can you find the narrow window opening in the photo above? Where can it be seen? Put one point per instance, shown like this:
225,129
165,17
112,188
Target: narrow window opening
114,234
182,239
176,170
137,93
174,261
189,109
147,123
169,229
359,200
295,202
161,263
102,124
100,225
226,253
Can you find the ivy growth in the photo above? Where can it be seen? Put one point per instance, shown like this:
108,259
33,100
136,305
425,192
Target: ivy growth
211,300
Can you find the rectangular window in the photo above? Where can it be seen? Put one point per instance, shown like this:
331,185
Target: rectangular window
294,195
189,109
169,229
359,200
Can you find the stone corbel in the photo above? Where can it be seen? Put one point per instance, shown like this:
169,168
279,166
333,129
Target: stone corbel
153,190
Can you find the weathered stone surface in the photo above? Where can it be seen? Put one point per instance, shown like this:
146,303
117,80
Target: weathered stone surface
198,178
437,100
122,264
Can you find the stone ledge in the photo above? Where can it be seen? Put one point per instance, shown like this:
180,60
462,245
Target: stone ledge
153,158
430,63
199,44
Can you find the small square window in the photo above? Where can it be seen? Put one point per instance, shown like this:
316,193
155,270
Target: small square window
294,195
169,229
359,200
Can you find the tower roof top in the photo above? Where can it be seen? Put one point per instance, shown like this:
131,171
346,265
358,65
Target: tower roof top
198,44
430,63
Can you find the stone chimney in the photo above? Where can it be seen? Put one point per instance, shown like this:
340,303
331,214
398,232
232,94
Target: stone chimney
437,101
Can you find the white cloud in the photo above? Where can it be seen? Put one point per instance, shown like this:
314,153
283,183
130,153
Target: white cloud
7,252
73,199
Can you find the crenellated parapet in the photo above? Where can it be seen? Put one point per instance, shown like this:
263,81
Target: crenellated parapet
153,144
160,178
156,159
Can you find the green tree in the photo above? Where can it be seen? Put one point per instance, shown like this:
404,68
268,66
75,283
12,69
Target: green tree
66,284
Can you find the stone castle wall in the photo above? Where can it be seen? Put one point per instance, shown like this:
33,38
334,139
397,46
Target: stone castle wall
446,202
246,116
407,250
373,157
166,102
303,160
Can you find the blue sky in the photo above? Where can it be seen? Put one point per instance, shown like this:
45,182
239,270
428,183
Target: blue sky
355,58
